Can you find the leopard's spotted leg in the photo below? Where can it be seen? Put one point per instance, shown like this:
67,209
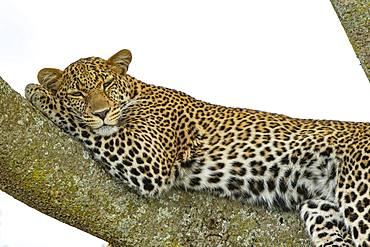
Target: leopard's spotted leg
50,106
360,228
355,206
324,223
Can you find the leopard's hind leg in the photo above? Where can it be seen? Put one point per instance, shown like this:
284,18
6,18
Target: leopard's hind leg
324,223
355,207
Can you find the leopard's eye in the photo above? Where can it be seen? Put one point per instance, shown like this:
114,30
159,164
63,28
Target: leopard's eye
77,94
108,83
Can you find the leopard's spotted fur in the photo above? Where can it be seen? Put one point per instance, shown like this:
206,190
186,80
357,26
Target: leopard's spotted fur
153,138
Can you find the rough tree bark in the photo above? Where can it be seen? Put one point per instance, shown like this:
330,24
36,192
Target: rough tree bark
46,169
355,18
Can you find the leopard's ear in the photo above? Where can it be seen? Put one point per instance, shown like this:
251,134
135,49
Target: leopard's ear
120,61
50,78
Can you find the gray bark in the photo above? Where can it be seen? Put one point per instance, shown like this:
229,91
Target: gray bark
46,169
355,18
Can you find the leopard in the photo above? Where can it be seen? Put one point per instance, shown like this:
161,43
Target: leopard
154,138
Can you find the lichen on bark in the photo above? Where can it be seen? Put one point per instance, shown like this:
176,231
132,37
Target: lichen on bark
355,18
46,169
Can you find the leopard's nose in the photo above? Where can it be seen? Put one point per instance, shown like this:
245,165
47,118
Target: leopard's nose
102,114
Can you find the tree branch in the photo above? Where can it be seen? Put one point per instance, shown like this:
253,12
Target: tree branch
46,169
354,16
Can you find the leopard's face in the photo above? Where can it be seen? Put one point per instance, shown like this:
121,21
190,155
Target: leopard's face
95,91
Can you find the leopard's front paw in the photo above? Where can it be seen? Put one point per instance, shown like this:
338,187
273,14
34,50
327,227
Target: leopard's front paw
38,96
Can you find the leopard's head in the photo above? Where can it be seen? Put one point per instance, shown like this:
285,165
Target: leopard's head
95,91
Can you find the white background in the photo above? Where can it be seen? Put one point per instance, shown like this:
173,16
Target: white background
291,57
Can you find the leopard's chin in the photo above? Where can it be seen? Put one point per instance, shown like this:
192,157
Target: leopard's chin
106,130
